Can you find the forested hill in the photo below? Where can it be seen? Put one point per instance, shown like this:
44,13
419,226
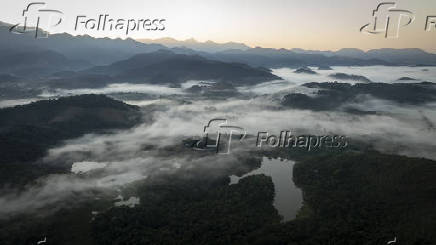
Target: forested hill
27,131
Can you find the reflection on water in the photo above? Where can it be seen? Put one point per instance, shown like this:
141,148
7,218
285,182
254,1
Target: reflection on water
288,198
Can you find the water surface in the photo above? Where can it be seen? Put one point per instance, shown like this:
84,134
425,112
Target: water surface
288,197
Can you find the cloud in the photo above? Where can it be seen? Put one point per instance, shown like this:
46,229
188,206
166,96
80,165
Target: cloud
110,161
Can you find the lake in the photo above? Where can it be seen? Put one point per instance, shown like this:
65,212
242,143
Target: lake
288,198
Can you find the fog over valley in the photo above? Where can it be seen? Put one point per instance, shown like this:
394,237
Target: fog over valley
159,143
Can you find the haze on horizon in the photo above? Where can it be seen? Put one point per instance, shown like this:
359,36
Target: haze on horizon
313,24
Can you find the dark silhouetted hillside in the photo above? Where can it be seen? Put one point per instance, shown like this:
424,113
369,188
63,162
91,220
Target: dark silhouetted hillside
27,131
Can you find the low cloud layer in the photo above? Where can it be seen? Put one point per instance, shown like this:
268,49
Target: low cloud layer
125,156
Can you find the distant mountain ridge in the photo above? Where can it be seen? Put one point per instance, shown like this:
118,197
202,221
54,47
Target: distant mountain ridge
208,46
99,51
165,67
407,56
277,58
37,63
23,55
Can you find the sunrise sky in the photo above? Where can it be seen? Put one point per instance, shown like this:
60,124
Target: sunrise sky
307,24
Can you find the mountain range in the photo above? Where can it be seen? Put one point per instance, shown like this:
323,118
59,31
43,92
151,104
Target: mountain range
408,56
165,67
232,51
25,56
208,46
97,51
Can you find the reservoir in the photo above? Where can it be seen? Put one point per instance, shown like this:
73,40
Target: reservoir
288,197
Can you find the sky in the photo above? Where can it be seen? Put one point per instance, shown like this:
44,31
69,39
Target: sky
307,24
